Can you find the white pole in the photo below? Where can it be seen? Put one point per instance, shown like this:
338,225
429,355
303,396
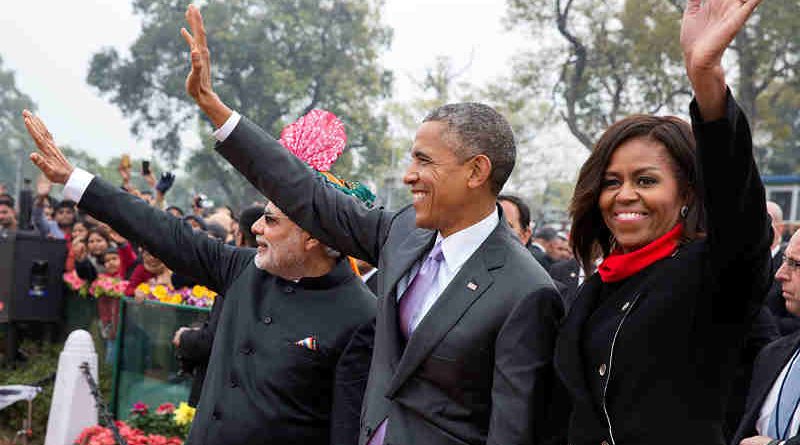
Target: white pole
73,407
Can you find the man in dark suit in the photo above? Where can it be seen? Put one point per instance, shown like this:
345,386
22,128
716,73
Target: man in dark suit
771,415
282,367
467,319
787,322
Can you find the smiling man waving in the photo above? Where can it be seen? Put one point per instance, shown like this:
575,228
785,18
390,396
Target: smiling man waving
467,318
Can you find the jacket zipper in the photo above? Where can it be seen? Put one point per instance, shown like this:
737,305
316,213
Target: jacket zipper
610,366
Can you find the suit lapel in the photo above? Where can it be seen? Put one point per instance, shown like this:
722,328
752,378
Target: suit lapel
772,367
415,245
467,286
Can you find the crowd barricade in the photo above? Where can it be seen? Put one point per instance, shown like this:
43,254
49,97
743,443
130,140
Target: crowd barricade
145,366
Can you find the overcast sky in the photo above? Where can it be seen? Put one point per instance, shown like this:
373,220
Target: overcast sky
49,44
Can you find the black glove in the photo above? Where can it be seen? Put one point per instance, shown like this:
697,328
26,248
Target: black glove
165,183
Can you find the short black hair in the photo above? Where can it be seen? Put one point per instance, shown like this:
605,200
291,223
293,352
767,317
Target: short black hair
546,233
180,210
479,129
6,199
522,208
247,218
64,204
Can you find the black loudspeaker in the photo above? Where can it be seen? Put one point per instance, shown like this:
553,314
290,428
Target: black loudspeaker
31,283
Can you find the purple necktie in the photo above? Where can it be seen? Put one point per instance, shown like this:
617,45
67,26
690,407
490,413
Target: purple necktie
410,304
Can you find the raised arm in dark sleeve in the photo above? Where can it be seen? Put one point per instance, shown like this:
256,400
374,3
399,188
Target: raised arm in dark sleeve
212,263
738,230
336,219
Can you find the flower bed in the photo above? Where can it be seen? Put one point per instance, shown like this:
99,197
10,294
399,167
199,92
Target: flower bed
167,425
197,296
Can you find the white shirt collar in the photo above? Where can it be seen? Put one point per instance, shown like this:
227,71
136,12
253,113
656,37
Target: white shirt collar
776,249
458,247
369,274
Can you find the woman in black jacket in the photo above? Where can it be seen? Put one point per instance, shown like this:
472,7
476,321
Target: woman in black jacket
652,342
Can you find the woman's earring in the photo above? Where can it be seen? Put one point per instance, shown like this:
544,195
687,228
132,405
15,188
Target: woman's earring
684,211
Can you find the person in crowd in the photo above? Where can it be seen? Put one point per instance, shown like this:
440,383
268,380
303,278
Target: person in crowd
150,271
175,211
652,342
547,247
216,231
787,322
196,222
8,216
771,416
518,216
463,339
282,366
248,217
79,235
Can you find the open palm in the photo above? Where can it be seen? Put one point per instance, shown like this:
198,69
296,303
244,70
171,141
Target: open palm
50,160
708,28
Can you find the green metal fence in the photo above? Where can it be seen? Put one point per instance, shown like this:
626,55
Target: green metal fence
145,368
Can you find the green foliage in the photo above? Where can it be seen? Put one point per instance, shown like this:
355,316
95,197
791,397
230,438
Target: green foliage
13,136
159,421
273,61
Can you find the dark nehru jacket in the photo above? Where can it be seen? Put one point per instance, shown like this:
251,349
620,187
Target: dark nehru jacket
264,384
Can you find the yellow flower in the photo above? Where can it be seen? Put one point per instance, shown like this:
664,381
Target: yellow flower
199,291
175,299
160,292
144,287
184,414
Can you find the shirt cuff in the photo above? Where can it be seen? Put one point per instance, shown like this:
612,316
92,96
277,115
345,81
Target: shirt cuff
225,130
77,184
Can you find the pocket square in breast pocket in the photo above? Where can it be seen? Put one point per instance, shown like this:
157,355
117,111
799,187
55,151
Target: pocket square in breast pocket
309,343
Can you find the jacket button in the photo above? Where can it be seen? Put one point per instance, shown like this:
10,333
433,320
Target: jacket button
626,306
233,384
602,370
267,320
288,289
215,415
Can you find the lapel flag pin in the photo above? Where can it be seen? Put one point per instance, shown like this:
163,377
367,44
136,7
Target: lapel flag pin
472,286
308,343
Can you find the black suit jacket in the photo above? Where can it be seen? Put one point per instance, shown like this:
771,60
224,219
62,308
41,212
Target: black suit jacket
261,385
478,367
541,256
194,350
567,273
670,339
768,366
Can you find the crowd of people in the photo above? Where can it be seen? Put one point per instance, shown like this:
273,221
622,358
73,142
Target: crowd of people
668,313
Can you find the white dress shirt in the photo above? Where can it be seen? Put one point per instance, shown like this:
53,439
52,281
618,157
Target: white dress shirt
769,405
457,249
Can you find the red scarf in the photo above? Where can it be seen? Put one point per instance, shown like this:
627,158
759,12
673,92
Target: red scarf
619,266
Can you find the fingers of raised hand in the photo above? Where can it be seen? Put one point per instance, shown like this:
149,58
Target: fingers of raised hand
195,20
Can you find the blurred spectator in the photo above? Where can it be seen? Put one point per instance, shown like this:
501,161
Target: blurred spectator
544,243
216,231
80,233
175,211
196,222
244,234
518,216
8,216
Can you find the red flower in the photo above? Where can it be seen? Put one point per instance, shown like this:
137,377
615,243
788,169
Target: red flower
165,408
139,408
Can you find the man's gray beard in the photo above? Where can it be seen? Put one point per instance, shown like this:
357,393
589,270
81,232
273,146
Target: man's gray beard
290,268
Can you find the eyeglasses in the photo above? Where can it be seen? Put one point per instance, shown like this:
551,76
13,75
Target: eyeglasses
793,265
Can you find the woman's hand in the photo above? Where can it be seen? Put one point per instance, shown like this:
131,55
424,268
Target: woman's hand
708,27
